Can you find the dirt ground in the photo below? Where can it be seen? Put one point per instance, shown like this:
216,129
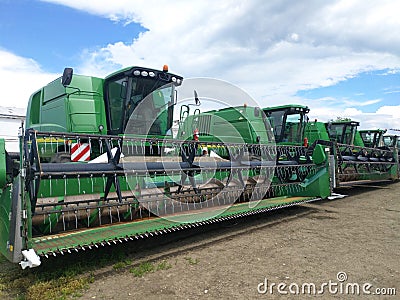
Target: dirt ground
334,244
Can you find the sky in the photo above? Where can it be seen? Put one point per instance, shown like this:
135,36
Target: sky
339,57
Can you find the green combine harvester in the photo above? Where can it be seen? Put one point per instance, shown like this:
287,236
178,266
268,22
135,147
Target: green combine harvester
351,162
373,138
391,141
99,165
295,171
354,161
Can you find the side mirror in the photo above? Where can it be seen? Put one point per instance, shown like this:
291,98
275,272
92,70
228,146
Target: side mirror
67,76
196,98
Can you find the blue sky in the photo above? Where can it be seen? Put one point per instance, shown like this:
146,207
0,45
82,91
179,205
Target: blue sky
55,35
310,52
375,87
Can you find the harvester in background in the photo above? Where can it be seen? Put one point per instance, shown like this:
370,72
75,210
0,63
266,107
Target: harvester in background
351,162
355,162
373,138
98,165
391,141
342,132
291,172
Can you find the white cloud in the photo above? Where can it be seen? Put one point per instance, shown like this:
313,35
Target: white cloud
19,77
351,112
385,117
271,49
361,103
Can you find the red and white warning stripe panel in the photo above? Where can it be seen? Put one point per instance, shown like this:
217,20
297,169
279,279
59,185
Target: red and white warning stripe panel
80,152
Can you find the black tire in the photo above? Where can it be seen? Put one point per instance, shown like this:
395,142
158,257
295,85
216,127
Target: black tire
61,157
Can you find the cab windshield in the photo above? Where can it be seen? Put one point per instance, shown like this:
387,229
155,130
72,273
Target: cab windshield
288,127
342,133
125,100
372,139
388,141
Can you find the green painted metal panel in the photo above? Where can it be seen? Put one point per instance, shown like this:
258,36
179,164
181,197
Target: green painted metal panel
5,208
316,131
107,233
3,163
358,141
231,125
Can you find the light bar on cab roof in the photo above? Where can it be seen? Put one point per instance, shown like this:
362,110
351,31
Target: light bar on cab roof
161,75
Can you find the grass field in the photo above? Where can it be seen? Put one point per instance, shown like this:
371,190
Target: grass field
56,279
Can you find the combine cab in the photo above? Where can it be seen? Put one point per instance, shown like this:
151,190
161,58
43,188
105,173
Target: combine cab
391,141
342,132
288,123
373,138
